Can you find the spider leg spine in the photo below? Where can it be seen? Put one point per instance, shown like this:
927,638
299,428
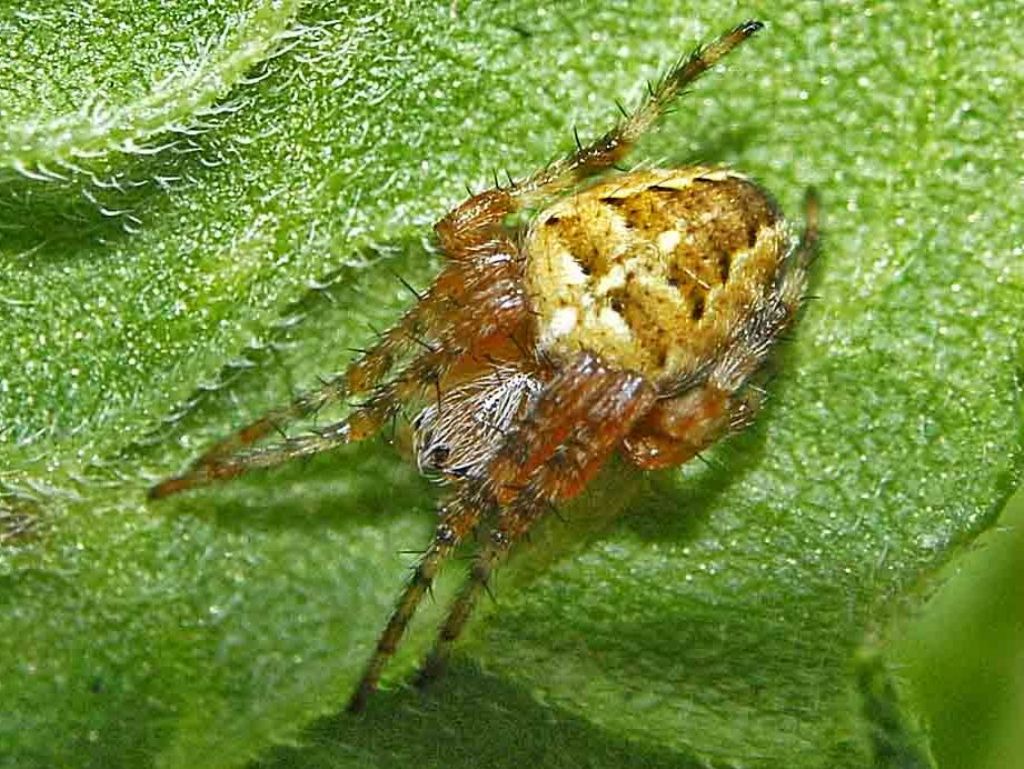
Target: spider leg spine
459,520
600,415
612,147
231,466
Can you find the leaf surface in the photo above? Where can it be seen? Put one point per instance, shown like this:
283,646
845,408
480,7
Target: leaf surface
202,208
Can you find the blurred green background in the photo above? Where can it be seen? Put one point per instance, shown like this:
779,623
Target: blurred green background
964,654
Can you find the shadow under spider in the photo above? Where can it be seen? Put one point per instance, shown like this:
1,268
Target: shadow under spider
477,720
676,510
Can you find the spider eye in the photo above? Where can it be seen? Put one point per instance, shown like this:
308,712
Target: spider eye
439,455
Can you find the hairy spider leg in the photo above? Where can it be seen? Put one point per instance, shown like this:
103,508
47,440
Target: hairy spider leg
577,384
472,226
461,516
576,425
367,371
680,427
368,418
458,521
614,145
477,302
501,312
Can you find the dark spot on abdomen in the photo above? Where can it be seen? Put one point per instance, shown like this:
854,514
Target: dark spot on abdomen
697,311
724,265
752,229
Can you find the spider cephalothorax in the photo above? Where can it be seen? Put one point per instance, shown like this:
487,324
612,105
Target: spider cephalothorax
629,315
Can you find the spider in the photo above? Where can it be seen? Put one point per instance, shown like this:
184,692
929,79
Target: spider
630,314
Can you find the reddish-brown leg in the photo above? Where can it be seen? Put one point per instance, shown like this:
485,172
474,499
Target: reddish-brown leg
459,520
679,428
477,222
430,318
498,309
614,145
577,423
461,517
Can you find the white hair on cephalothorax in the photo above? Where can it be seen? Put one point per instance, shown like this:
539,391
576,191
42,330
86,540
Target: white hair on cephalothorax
458,435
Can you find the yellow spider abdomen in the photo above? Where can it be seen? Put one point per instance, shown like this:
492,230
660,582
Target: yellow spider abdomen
652,270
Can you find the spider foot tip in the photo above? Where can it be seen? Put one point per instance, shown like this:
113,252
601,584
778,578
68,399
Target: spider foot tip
163,489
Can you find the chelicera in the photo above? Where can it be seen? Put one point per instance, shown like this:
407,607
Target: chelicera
631,314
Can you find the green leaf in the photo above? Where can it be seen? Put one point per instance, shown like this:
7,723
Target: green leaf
896,741
202,208
961,654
